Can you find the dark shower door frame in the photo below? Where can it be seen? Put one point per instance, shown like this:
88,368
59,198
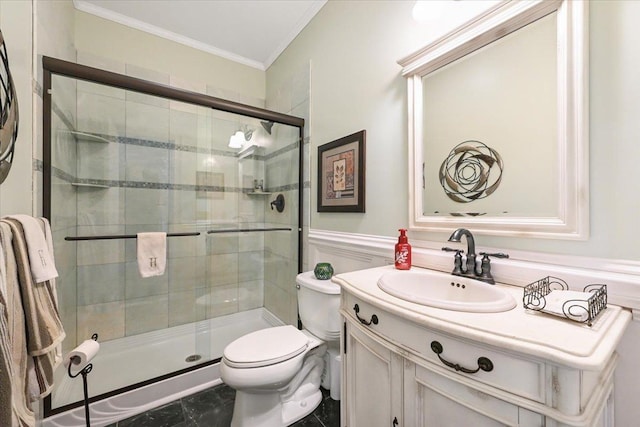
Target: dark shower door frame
53,66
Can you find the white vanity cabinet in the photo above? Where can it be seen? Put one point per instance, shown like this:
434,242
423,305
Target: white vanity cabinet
410,365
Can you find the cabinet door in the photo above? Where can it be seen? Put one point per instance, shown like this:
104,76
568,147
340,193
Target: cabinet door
435,400
373,381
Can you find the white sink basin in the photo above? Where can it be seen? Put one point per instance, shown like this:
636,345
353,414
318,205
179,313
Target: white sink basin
442,290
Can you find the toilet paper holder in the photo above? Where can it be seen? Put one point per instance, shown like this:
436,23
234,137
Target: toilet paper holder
84,372
76,360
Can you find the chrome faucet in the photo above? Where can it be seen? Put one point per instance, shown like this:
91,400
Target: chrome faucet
471,269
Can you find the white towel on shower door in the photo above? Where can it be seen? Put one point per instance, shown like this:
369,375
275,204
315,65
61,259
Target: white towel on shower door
152,253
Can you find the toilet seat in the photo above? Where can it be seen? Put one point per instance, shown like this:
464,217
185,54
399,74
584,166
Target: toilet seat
266,347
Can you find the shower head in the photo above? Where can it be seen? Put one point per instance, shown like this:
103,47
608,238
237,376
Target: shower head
267,126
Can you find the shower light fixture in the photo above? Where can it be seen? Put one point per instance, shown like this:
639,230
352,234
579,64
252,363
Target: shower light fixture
237,139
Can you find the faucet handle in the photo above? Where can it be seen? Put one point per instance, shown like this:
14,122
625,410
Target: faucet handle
494,255
457,251
457,261
485,265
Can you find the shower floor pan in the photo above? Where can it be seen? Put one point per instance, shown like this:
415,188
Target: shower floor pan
130,360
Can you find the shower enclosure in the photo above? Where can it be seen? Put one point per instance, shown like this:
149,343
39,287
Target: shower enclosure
124,155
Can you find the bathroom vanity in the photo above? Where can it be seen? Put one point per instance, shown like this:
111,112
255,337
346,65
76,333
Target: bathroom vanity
411,364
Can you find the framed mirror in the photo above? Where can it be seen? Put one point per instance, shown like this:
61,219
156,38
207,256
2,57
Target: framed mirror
498,124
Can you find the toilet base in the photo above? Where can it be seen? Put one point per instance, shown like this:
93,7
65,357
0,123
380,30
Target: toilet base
296,410
266,410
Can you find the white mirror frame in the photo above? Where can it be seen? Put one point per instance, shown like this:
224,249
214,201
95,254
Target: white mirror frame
572,221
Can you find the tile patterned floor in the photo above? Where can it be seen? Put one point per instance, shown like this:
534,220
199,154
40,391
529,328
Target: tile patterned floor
213,408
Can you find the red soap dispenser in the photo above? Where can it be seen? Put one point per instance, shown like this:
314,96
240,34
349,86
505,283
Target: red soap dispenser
403,251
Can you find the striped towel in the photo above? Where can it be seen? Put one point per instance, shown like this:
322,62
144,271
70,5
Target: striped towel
44,328
14,349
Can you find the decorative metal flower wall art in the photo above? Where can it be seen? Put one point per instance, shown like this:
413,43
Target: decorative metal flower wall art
471,171
8,113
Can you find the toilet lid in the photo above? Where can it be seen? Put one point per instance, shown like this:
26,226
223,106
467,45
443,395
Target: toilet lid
265,347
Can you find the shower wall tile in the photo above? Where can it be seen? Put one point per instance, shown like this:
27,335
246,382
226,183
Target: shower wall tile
250,266
148,122
223,269
147,164
276,300
282,243
250,295
188,246
146,314
229,166
186,273
224,243
293,308
107,320
100,251
182,167
63,214
251,209
224,207
67,302
137,286
182,207
101,114
282,169
100,206
100,283
63,152
248,242
102,90
280,271
98,160
64,251
187,306
146,206
204,128
223,300
183,125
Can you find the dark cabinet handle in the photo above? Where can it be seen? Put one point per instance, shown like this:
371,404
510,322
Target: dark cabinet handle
395,421
374,318
483,363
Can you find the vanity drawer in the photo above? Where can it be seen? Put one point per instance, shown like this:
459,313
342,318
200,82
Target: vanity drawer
504,371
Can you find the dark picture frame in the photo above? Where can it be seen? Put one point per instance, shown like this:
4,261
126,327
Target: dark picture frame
341,174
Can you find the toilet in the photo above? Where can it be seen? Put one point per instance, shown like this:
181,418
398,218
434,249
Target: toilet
277,371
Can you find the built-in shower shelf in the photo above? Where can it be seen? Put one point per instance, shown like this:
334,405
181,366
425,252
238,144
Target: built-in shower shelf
87,137
259,193
85,185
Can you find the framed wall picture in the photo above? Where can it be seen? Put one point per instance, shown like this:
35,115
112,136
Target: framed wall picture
341,173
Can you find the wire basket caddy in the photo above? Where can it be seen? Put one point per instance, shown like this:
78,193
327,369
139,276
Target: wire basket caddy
583,309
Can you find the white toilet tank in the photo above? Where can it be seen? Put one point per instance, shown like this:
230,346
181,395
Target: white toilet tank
319,305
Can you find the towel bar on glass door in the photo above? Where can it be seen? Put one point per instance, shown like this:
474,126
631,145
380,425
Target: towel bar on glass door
124,236
247,230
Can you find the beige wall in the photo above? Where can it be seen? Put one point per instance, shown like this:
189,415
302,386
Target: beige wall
356,84
108,39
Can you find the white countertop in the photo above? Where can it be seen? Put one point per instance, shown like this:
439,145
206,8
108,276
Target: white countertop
529,332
